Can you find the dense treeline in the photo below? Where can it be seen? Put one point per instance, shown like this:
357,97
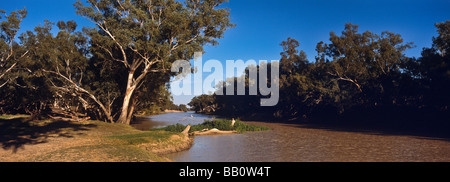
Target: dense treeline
121,66
106,72
355,76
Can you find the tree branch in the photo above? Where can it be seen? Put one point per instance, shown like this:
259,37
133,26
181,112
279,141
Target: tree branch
82,90
105,29
12,66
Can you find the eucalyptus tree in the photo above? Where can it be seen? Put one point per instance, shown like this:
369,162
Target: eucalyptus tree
433,70
10,51
60,63
145,36
14,83
364,68
295,80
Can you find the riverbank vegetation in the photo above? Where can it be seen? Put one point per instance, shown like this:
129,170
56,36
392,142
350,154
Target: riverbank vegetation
360,77
220,124
24,139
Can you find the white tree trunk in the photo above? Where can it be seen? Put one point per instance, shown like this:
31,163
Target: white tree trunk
124,115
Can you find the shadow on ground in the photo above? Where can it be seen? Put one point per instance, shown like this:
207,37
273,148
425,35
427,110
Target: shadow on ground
15,133
424,127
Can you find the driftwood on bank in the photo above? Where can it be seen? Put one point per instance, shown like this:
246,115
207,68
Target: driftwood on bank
186,131
212,132
64,115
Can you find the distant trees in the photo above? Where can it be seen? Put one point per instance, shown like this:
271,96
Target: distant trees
156,100
353,75
431,72
363,69
299,88
203,104
236,104
183,107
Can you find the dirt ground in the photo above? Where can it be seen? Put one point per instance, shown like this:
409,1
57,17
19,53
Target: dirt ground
92,141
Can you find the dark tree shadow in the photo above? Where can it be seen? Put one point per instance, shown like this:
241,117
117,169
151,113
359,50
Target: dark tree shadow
431,128
424,125
15,133
423,130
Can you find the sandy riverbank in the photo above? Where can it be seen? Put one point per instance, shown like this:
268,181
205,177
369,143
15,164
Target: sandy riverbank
172,111
90,141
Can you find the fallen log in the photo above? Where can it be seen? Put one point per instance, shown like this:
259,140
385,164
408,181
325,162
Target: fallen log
70,119
186,131
212,132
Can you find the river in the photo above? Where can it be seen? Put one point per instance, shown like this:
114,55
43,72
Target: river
288,142
162,120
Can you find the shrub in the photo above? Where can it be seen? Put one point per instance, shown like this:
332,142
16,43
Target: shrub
175,128
220,124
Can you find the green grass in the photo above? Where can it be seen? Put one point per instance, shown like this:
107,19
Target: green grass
96,141
102,152
145,137
13,116
221,124
117,148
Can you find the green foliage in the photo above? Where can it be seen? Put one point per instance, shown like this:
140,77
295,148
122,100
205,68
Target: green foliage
183,108
145,137
354,73
362,67
151,110
220,124
174,128
60,64
431,72
121,66
242,127
22,90
203,104
224,125
146,37
118,67
155,101
13,116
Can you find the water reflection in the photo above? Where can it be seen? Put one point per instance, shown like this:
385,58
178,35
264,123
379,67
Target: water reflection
295,143
163,120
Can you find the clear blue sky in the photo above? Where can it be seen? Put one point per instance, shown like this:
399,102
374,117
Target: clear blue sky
261,25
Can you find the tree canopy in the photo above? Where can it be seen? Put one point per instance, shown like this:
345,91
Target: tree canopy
108,71
147,36
122,65
355,73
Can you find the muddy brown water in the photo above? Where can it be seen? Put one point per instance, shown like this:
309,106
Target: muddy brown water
162,120
299,143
